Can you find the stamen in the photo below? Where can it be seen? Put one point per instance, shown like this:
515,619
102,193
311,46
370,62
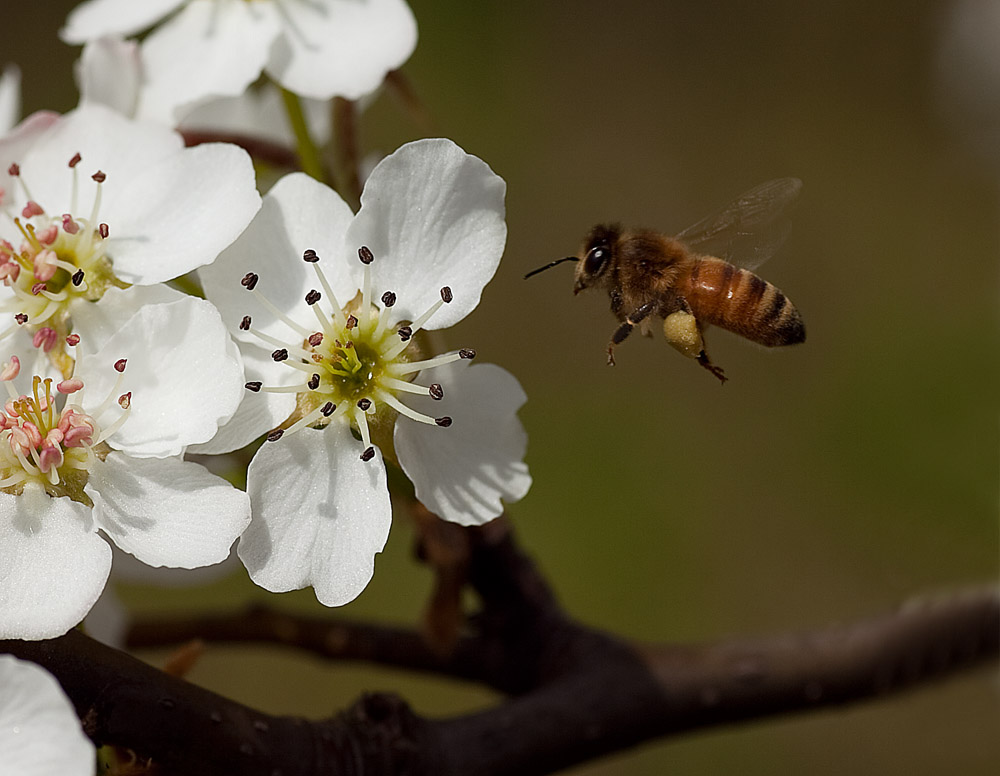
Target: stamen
11,369
306,420
402,409
406,368
88,237
303,332
408,387
413,328
366,286
338,314
388,300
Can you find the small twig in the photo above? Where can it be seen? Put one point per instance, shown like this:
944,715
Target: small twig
260,150
347,158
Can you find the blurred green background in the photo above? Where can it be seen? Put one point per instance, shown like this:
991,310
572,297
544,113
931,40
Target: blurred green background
823,482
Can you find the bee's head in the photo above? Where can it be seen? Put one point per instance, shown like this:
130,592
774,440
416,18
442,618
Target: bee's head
595,256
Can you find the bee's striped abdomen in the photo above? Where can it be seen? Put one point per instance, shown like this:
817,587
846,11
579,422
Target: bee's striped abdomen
739,301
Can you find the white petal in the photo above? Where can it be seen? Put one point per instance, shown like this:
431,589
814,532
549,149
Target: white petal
53,565
320,514
94,18
181,373
10,98
261,113
433,216
109,72
166,511
341,47
260,411
96,322
13,146
169,208
180,213
462,472
40,734
298,213
121,148
212,48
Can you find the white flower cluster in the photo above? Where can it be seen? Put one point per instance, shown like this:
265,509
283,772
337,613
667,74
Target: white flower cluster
315,333
153,306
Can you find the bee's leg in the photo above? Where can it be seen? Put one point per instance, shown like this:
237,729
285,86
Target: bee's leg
619,335
715,370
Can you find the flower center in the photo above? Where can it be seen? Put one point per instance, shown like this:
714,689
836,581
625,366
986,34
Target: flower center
50,446
58,260
356,363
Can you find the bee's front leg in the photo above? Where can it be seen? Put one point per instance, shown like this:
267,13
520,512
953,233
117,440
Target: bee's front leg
619,335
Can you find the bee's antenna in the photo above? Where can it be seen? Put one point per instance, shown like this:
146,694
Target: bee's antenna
550,265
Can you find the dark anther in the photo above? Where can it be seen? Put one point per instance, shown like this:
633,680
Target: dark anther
77,277
388,299
364,404
405,332
368,454
310,256
436,391
328,409
274,436
120,365
365,255
75,160
253,385
313,296
21,318
468,353
313,382
245,323
14,170
103,231
446,295
315,339
351,322
99,177
281,354
249,281
443,422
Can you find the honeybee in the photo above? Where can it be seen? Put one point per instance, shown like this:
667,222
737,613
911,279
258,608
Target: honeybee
683,281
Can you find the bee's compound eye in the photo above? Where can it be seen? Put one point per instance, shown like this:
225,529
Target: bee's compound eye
595,260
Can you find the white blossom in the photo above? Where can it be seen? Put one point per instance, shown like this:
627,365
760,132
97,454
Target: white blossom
339,368
94,201
215,48
110,72
102,452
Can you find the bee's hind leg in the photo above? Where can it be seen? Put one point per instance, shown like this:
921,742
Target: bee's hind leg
704,360
619,335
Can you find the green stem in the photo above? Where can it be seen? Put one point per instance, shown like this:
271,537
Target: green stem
307,150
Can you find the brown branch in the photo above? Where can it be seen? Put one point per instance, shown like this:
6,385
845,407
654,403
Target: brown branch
260,150
576,693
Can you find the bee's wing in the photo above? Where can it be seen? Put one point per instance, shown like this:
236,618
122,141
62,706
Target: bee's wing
751,228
